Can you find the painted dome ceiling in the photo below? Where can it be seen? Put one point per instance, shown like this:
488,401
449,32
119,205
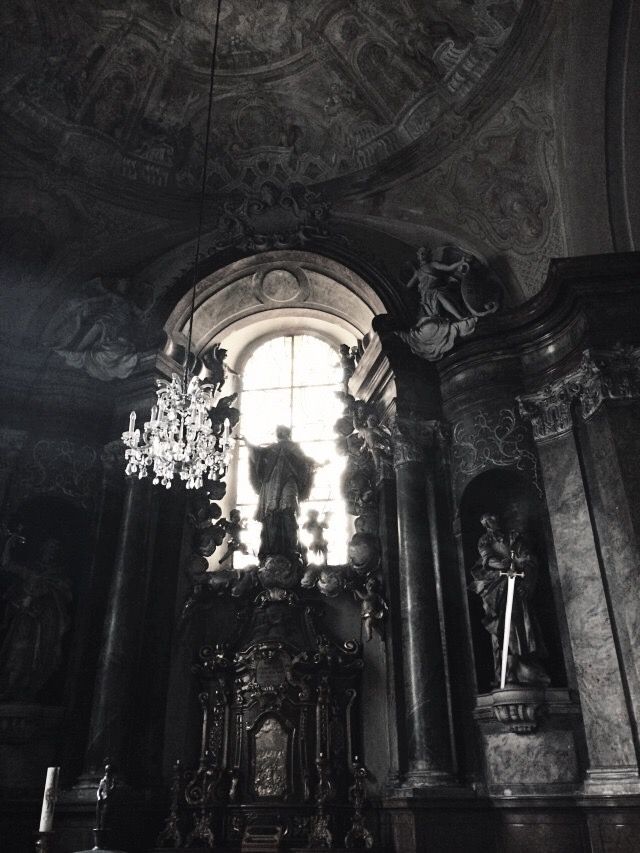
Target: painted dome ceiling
318,92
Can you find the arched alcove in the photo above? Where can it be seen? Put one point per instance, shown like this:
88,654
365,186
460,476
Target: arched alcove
280,292
513,499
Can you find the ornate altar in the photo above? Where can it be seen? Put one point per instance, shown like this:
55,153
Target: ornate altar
278,734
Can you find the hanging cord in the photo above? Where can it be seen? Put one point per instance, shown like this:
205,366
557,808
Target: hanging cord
202,194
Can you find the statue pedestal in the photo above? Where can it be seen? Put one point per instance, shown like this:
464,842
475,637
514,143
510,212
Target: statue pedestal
29,737
529,740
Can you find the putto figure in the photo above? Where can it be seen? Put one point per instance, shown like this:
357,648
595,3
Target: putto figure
233,527
317,545
501,551
282,475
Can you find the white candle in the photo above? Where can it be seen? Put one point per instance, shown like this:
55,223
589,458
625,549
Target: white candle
49,799
132,421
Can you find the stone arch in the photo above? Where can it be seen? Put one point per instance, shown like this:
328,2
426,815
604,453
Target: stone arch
273,293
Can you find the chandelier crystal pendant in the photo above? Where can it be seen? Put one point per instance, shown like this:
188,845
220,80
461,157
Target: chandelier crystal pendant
179,438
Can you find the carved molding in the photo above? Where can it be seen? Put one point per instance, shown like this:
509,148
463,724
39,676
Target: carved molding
499,440
602,375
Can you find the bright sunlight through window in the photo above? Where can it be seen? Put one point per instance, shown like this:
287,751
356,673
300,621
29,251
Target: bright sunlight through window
293,381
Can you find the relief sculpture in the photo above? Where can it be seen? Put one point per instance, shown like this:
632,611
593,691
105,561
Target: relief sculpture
271,742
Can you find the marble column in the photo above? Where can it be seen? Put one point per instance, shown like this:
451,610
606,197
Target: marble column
95,581
426,714
607,715
119,657
387,504
607,476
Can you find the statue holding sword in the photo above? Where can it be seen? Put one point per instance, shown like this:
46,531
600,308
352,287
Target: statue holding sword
505,578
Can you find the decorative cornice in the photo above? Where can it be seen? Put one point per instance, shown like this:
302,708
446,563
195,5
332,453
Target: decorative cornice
602,375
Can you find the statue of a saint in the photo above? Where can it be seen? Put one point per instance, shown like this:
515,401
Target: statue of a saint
498,549
35,618
282,476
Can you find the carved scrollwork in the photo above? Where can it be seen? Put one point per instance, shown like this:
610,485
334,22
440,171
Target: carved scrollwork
62,468
492,440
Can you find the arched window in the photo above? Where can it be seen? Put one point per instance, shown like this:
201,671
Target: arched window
292,380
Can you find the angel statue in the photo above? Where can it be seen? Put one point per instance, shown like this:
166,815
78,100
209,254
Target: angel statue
234,527
373,607
376,439
452,297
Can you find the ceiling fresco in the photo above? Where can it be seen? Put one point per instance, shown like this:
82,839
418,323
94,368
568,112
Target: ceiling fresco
308,91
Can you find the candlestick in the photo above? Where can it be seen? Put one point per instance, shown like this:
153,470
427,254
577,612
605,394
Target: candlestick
44,842
49,799
132,421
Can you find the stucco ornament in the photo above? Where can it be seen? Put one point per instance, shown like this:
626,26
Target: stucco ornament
98,332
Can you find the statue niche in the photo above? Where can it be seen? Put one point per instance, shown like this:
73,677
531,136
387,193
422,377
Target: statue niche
502,527
502,551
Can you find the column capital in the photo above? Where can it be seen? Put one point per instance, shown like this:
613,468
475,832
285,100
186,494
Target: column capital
413,437
548,410
612,374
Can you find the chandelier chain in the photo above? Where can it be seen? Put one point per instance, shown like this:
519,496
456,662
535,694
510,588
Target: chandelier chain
203,190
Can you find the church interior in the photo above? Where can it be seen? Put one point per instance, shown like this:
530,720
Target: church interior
320,386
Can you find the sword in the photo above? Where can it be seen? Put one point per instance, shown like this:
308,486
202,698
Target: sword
511,585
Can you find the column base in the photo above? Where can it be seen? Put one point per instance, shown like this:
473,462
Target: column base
611,781
429,783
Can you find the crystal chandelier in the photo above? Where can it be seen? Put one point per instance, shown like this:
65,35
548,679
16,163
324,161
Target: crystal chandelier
179,438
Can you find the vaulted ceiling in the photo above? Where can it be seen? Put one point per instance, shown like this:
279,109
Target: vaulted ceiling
320,92
403,123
